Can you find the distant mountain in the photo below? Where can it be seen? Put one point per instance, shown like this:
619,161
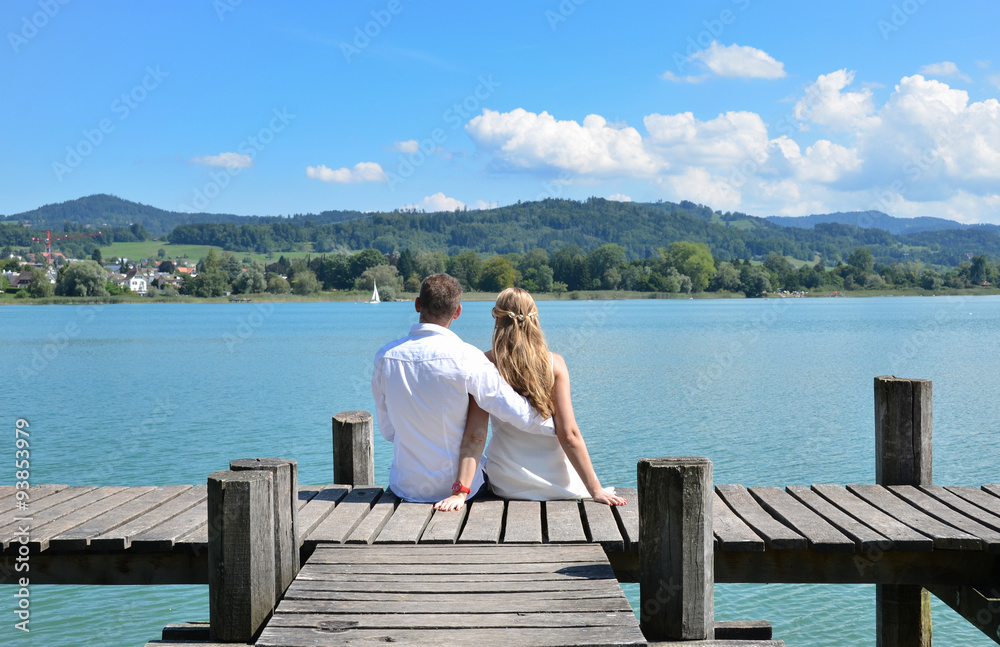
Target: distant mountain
872,220
102,210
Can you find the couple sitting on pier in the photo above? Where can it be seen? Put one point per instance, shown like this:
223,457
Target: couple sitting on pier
435,394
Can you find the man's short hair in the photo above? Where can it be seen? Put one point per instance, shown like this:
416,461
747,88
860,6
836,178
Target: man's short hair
440,296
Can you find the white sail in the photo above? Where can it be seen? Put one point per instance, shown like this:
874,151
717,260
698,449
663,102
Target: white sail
375,298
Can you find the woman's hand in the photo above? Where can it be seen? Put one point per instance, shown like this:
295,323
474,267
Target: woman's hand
608,499
454,502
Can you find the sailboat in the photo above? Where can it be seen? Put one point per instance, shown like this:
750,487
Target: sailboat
375,298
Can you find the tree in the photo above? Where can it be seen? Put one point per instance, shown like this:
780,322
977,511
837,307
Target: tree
387,277
727,278
251,281
96,256
693,259
166,266
467,269
862,260
605,258
161,253
305,283
498,274
755,280
364,259
83,279
40,285
278,285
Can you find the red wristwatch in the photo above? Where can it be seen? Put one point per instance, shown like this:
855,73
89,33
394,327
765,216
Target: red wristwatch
458,488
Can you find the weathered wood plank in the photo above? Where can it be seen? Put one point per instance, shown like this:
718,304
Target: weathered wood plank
899,535
451,620
120,538
823,537
944,536
459,569
992,489
524,523
444,527
51,508
165,535
977,606
865,539
516,605
563,522
317,508
605,586
484,522
935,508
495,600
732,533
40,537
79,537
430,554
406,524
966,507
777,535
487,637
340,523
601,526
375,520
9,500
353,448
977,496
320,573
627,517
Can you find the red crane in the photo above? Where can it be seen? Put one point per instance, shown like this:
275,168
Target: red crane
49,238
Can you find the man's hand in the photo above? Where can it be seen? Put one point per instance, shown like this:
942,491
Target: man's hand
454,502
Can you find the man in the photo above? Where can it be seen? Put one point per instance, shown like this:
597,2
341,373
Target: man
422,384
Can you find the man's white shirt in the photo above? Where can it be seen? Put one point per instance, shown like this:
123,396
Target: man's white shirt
421,385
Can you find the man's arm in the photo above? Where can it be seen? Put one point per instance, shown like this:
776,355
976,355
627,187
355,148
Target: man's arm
378,391
497,397
469,455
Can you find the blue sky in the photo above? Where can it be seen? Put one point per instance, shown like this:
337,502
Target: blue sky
254,107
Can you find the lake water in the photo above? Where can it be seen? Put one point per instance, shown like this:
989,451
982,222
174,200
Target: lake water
775,392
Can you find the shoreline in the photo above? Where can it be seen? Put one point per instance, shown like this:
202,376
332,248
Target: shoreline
583,295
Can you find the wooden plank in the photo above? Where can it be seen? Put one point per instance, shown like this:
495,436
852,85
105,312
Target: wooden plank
340,523
484,555
444,527
563,522
864,538
516,605
489,637
935,508
79,537
49,509
317,508
600,524
980,497
459,569
627,517
992,489
943,535
164,536
484,522
353,448
307,493
775,534
963,505
524,523
496,600
372,524
195,539
120,538
406,524
477,585
321,573
40,537
732,533
822,536
899,535
977,606
450,620
9,500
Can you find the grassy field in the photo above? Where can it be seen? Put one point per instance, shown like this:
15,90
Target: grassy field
190,253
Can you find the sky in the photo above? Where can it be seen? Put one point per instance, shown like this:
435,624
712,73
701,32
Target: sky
264,108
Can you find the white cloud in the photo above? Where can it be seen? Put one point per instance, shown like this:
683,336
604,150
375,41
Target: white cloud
437,202
944,68
690,78
228,160
482,204
728,139
362,172
407,146
525,140
994,79
736,62
825,104
619,197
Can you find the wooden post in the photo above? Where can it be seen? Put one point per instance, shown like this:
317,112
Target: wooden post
903,457
353,448
284,475
240,553
676,549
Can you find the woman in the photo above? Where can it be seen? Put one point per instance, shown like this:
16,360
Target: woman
521,465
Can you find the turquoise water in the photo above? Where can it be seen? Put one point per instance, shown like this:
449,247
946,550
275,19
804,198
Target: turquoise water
775,392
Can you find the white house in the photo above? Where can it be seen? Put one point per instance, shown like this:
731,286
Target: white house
137,285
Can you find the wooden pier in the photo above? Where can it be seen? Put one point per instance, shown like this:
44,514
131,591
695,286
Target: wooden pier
374,568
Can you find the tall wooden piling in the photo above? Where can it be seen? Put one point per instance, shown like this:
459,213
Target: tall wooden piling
240,553
676,553
284,474
353,448
903,457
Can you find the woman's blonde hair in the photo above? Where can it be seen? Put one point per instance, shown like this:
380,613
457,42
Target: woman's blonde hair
519,349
